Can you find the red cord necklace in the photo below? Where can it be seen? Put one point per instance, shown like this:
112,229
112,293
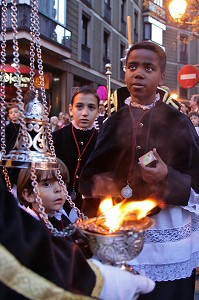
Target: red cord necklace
80,154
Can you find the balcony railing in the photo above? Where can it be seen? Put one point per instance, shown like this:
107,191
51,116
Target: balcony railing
49,29
154,10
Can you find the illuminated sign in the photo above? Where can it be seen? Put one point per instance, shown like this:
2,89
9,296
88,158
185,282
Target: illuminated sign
10,78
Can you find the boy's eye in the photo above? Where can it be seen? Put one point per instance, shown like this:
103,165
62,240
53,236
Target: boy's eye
92,107
46,183
132,67
79,106
149,69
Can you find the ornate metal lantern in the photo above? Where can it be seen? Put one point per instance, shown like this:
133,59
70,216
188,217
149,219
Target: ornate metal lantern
34,146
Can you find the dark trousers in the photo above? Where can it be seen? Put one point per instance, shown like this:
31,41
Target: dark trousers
181,289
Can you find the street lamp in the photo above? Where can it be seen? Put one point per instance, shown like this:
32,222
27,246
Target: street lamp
185,13
177,8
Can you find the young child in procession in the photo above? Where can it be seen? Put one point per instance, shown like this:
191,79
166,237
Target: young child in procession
171,249
51,193
194,117
74,143
53,199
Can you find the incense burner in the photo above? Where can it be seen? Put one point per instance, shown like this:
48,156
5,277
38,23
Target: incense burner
115,248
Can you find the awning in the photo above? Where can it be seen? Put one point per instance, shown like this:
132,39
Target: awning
23,69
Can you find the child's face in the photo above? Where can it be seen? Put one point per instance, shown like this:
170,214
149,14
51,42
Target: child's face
84,110
14,114
143,75
195,120
52,195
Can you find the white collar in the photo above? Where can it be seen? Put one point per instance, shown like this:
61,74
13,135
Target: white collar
145,107
57,214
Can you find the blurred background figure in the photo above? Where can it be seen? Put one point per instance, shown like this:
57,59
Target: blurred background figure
184,107
64,120
13,112
53,123
101,116
60,118
103,95
194,103
194,117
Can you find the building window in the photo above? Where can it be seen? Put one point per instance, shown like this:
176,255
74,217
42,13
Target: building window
106,47
55,10
107,10
183,49
147,31
108,2
85,50
153,33
135,26
123,10
159,2
122,55
183,93
85,22
88,2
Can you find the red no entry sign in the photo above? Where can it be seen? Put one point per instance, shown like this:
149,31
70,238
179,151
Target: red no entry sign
188,76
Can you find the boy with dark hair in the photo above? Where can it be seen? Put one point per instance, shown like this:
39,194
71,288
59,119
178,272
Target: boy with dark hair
75,142
51,193
148,124
194,117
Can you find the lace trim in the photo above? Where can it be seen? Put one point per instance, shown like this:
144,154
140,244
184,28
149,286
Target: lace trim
173,234
170,271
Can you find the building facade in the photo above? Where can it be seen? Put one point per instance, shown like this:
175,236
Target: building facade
79,37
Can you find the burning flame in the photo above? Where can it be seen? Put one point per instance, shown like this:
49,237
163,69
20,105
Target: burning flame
106,204
115,214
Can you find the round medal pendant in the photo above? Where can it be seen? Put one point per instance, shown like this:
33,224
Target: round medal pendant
127,192
73,195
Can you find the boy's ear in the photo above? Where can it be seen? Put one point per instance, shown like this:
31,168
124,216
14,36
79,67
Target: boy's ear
162,79
70,110
28,197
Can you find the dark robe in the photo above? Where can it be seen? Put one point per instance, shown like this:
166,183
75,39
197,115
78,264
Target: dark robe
120,143
55,259
11,133
66,150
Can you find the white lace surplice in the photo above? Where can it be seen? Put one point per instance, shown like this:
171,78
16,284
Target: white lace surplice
171,247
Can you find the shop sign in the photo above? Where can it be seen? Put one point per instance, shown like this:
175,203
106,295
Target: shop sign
10,78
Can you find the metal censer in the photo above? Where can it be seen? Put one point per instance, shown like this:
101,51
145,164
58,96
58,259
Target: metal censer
115,248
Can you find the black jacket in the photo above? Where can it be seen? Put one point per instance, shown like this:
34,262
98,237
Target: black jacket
120,141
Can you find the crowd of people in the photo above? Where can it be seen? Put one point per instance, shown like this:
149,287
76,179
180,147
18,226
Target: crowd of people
96,162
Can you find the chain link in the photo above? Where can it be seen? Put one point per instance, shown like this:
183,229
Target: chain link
16,61
35,54
2,81
36,46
